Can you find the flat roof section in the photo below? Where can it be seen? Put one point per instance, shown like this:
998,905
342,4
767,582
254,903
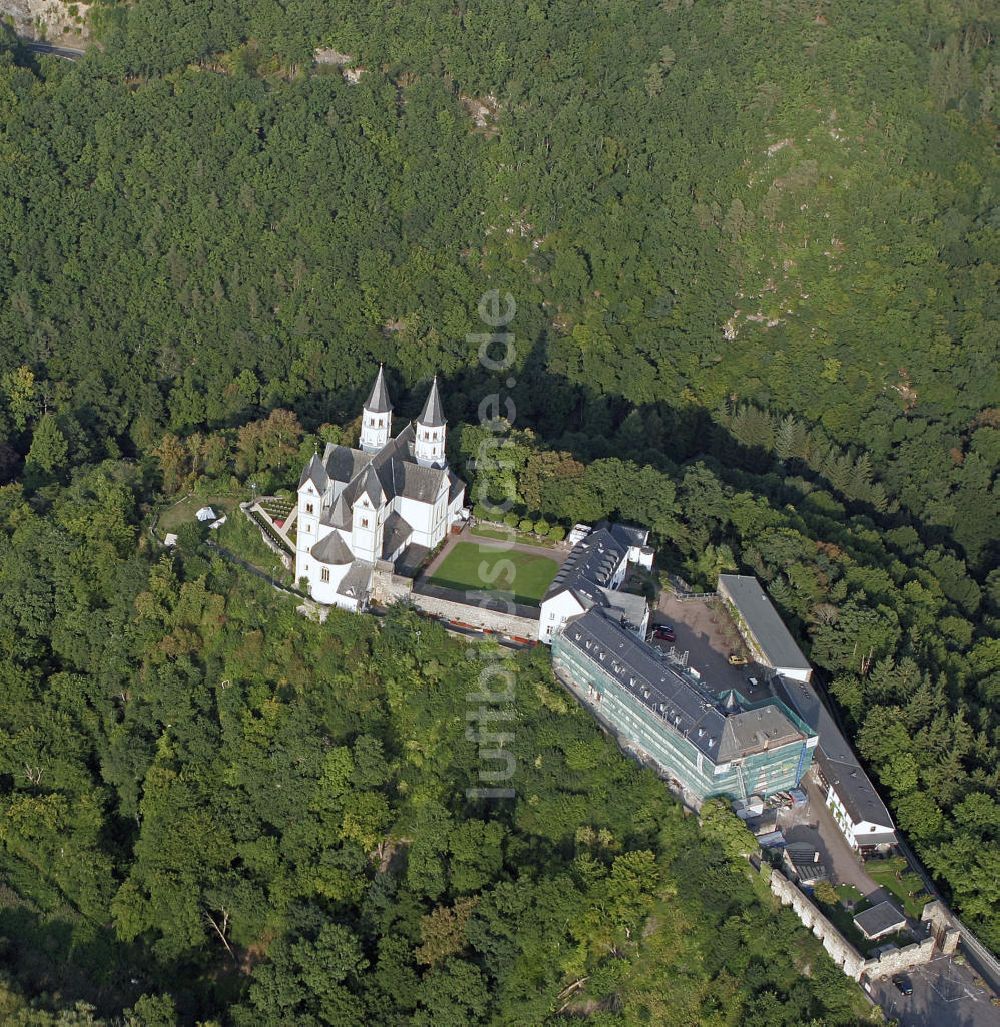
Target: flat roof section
763,621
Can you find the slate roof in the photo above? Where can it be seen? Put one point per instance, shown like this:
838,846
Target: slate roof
342,463
592,561
378,401
432,415
415,482
629,535
765,624
314,472
756,730
357,581
838,763
396,532
332,550
633,608
638,669
880,919
457,486
367,483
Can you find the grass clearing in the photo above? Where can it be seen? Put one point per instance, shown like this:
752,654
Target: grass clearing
183,511
469,566
904,888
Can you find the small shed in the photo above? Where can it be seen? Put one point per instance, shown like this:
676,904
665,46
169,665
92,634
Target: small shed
883,918
170,540
206,513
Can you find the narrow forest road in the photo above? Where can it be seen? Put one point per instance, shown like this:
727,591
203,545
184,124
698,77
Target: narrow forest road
68,53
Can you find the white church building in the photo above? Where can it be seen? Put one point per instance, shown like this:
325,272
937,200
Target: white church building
357,507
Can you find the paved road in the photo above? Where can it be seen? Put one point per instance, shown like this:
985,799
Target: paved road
68,53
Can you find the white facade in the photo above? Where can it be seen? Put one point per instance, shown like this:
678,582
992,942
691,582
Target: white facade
555,611
358,507
857,832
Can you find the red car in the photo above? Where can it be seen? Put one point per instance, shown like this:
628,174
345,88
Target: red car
664,632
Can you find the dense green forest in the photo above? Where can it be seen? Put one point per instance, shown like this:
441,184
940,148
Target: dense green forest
216,809
754,252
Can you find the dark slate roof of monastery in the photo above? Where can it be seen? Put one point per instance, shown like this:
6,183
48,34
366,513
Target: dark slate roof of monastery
315,472
395,469
641,671
592,562
837,761
357,581
432,415
396,532
378,401
332,550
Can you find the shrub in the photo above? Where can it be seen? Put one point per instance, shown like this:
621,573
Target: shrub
526,525
511,520
557,533
541,526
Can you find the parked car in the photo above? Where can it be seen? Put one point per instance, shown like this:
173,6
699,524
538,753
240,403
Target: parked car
737,660
903,984
664,632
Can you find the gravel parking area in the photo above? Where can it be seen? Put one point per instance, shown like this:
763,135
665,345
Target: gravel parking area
707,633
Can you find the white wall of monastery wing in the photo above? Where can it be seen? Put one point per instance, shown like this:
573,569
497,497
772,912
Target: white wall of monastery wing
367,534
854,832
324,581
554,612
428,520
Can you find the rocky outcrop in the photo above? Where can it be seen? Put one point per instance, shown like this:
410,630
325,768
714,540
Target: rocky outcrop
50,20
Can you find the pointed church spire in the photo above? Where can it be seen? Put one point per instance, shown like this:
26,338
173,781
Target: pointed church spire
433,413
378,401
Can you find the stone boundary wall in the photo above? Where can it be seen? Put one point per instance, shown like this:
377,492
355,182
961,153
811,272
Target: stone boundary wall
477,617
843,953
389,587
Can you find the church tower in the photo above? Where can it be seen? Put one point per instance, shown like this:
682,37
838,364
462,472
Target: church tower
376,421
429,445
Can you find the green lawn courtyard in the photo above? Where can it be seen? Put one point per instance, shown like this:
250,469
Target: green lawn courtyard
470,566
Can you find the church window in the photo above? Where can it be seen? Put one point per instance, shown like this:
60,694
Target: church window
381,422
309,508
324,574
306,528
364,522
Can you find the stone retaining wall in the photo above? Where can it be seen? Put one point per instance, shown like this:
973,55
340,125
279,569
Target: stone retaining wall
844,954
389,588
476,617
841,951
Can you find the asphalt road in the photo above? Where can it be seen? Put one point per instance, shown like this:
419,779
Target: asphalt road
66,52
